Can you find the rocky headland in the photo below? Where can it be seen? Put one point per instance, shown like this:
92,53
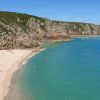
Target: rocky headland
19,31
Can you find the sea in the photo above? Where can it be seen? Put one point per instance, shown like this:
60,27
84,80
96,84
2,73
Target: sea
63,71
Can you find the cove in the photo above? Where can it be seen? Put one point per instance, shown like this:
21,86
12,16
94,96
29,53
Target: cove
64,71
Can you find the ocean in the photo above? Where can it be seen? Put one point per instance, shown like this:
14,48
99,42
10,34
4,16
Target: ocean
64,71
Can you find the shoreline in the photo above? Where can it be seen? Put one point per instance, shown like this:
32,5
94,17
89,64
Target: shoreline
83,36
16,58
8,74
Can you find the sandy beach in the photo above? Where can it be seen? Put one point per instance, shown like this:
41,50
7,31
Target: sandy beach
11,61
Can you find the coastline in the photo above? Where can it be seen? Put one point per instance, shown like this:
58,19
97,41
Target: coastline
10,58
83,36
6,78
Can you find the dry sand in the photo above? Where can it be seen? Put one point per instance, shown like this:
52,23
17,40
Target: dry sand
11,61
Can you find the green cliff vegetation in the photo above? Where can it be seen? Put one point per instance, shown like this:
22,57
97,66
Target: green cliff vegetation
27,31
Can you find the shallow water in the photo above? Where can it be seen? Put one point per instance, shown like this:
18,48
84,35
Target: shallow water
64,71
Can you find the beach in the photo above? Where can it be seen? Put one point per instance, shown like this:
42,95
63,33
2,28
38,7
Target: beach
10,62
64,71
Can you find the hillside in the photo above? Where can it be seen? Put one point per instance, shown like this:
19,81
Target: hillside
26,31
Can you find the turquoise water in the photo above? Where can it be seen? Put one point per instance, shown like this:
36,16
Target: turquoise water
64,71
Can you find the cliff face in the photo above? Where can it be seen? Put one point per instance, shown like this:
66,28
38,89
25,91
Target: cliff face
26,31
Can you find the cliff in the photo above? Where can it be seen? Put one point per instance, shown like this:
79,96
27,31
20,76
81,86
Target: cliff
26,31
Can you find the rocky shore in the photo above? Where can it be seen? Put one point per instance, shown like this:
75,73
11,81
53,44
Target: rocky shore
26,31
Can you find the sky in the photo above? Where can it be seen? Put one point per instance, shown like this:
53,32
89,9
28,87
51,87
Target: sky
63,10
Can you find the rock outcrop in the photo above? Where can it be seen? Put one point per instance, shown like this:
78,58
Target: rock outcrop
27,31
